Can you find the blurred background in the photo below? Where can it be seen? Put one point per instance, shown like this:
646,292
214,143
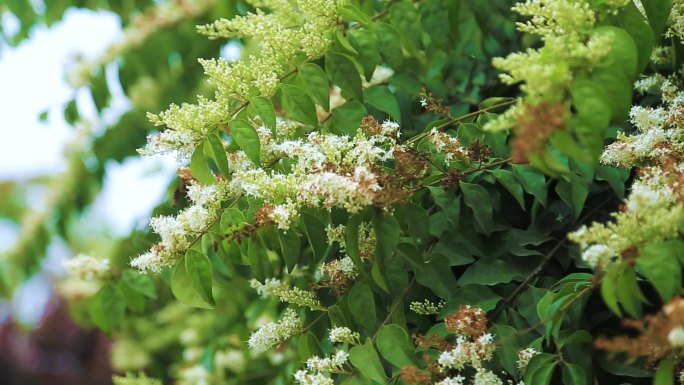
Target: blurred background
76,79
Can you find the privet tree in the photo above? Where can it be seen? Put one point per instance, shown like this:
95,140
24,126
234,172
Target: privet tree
396,192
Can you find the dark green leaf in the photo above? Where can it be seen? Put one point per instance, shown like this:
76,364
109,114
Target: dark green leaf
219,155
107,307
343,73
298,105
394,346
366,360
247,138
362,305
477,198
383,99
141,283
346,119
198,268
264,108
182,289
198,165
316,83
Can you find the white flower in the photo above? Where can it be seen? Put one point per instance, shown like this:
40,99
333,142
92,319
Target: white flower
423,102
457,380
344,335
599,253
272,334
87,267
676,337
524,357
305,378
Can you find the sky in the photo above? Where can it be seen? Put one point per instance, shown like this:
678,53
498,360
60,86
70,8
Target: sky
32,80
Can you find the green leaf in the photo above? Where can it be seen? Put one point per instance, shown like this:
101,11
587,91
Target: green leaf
198,268
593,114
657,11
298,105
352,13
134,300
365,42
507,179
346,119
532,181
315,233
660,264
362,305
198,165
258,258
477,198
507,352
573,374
540,369
665,372
394,346
366,360
488,271
264,108
383,99
634,22
609,291
107,307
343,73
418,223
219,155
628,292
387,234
290,246
619,90
573,192
231,217
624,54
247,138
389,43
141,283
316,83
182,289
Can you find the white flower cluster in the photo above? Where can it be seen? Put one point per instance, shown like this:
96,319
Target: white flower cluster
86,267
317,366
336,234
291,28
676,337
332,364
676,20
194,375
651,213
456,380
305,378
468,353
296,296
447,144
660,135
328,171
524,357
426,307
272,334
340,269
176,232
344,335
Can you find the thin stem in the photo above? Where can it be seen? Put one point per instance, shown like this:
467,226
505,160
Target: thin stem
394,308
459,119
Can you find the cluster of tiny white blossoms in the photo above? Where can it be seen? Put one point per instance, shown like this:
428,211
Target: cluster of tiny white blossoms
524,357
660,134
653,208
290,29
272,334
426,307
177,232
448,145
344,335
316,366
327,171
468,352
676,337
86,267
295,296
547,72
676,20
340,269
651,213
336,234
